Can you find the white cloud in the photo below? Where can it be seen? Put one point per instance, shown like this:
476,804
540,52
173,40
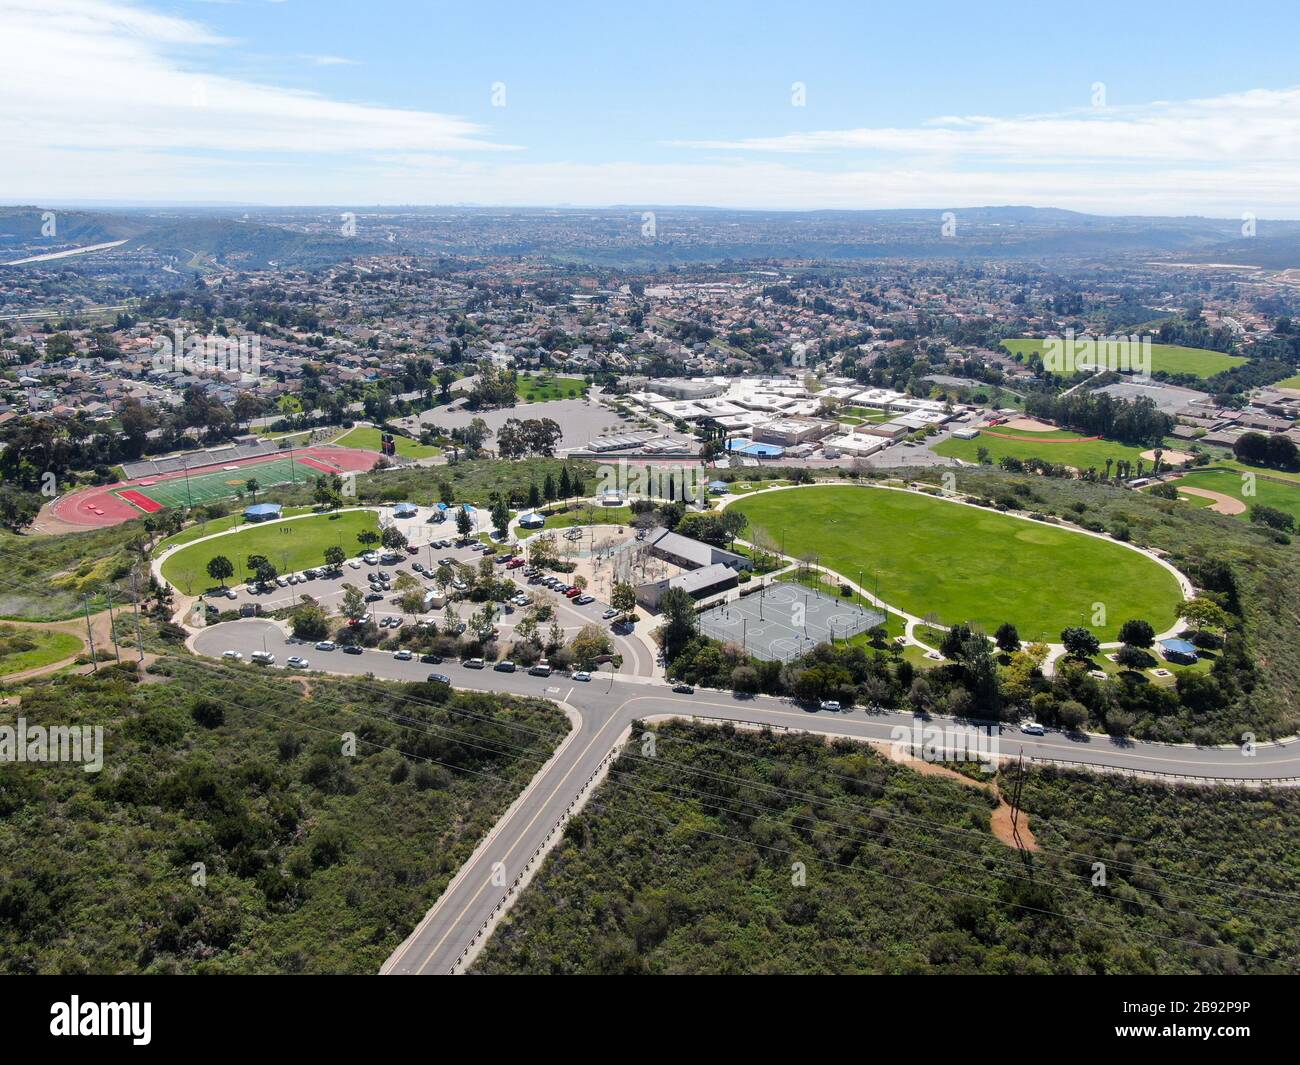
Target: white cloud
107,76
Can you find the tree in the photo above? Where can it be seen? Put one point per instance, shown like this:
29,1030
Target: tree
252,487
393,538
464,524
18,509
623,598
1204,615
219,568
1137,633
1007,638
335,557
500,517
1080,642
589,644
367,538
354,602
310,622
678,611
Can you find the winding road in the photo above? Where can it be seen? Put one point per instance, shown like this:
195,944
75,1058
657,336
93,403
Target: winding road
603,711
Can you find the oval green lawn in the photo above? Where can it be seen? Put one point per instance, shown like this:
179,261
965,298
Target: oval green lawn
291,545
963,563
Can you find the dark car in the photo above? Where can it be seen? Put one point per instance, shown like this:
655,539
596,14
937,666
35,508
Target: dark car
684,689
351,649
432,660
439,678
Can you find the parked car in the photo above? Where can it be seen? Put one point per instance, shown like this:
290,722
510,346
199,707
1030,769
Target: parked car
611,613
431,659
297,662
583,600
403,655
1032,728
353,564
830,704
683,689
263,658
572,593
352,649
582,674
326,645
439,678
473,663
234,656
504,666
542,669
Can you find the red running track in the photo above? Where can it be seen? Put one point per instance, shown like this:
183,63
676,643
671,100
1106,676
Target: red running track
100,507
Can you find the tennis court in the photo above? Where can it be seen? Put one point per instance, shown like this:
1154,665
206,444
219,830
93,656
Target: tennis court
786,620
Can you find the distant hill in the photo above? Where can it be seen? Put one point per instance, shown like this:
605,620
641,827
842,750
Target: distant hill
246,245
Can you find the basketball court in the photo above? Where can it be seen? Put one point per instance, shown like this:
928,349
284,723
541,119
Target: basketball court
786,620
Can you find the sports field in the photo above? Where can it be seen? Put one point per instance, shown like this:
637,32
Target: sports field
367,437
206,487
290,546
1285,497
962,563
543,387
1170,358
1067,448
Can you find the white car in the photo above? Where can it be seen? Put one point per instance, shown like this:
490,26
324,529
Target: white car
1032,728
282,581
830,704
402,656
582,674
326,645
353,564
231,593
297,662
234,656
263,658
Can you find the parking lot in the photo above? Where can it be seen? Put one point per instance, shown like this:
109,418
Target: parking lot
327,589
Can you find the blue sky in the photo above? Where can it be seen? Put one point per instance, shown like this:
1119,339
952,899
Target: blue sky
1135,107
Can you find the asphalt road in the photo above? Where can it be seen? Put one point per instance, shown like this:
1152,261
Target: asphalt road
607,707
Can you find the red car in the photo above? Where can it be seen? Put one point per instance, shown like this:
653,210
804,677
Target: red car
573,593
514,563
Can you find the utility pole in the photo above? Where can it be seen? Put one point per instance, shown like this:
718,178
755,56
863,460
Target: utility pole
90,635
112,626
135,605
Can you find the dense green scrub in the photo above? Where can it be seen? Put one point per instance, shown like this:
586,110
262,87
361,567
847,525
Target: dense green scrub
314,862
685,863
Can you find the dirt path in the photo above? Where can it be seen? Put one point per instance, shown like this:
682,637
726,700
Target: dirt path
100,629
1223,504
999,820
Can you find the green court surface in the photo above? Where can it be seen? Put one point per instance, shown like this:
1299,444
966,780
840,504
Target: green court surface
368,438
964,563
224,484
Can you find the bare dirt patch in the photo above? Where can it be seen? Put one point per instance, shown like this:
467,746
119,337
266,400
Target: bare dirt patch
1167,458
999,821
1029,425
1223,504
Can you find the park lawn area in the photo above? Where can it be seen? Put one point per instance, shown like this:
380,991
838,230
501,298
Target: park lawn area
1069,449
740,488
367,438
1290,382
291,545
1285,497
1258,471
23,648
584,515
230,521
934,557
1170,358
545,386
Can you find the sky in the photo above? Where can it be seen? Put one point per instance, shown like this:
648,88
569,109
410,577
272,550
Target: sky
1115,108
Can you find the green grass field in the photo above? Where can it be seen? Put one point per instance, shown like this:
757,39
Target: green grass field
1290,382
227,484
290,546
1058,446
544,387
961,563
367,438
1170,358
1284,497
23,648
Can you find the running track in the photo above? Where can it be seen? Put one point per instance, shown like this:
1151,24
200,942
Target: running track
100,506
